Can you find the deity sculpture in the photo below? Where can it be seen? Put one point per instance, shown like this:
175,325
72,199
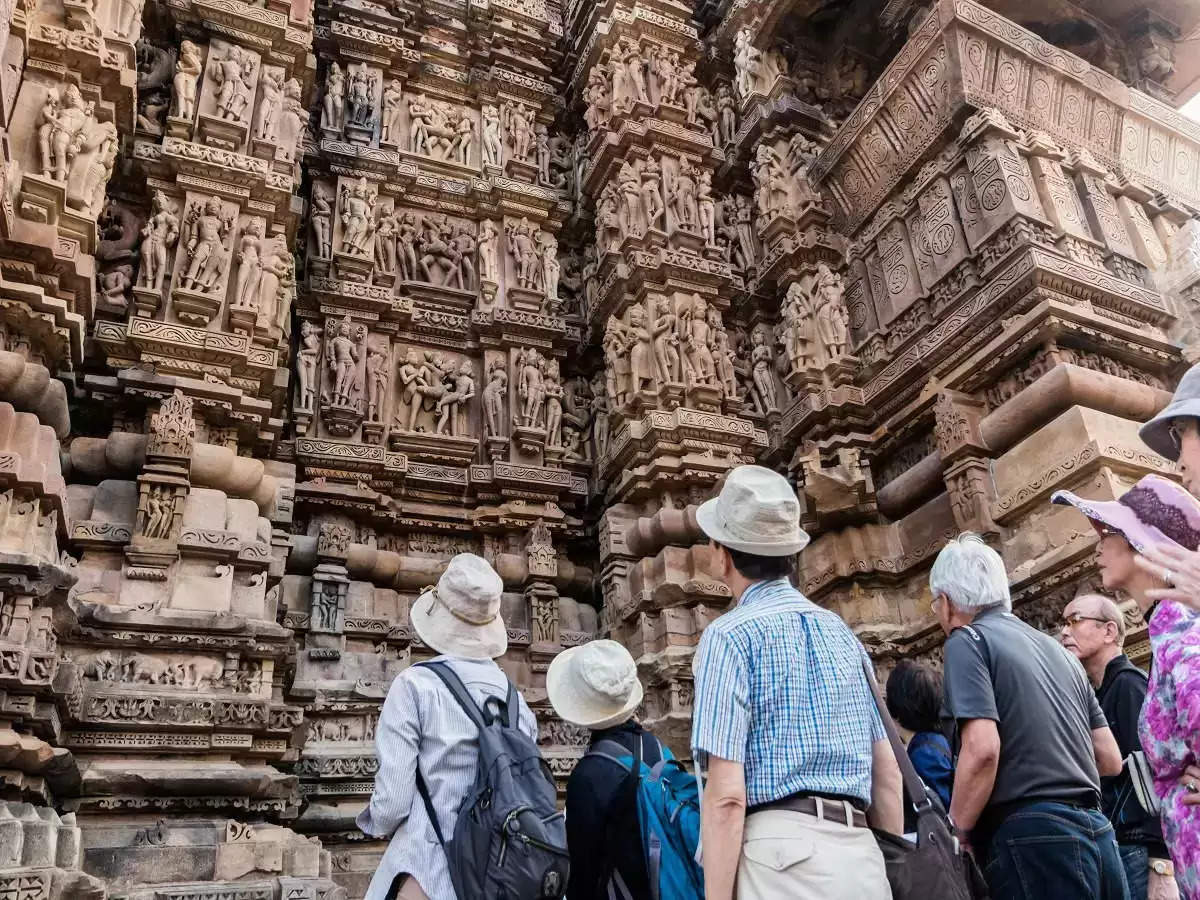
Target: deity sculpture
335,89
278,277
635,64
360,98
206,230
489,237
92,166
187,72
706,114
410,398
518,125
531,386
608,221
832,319
548,250
493,144
770,181
322,220
464,138
727,109
630,186
761,360
389,132
596,96
358,217
376,383
600,411
270,86
452,405
341,355
129,12
542,149
419,115
747,63
64,121
666,340
683,191
406,246
698,357
306,364
723,356
233,76
524,253
641,352
617,343
669,77
651,194
385,242
494,397
292,121
437,261
744,217
245,292
797,315
552,390
158,236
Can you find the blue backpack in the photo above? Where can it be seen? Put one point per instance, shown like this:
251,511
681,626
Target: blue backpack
668,811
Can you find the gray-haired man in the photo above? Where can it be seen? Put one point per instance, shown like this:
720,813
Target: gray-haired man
1029,740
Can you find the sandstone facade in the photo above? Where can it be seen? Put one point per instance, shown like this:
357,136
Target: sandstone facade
297,301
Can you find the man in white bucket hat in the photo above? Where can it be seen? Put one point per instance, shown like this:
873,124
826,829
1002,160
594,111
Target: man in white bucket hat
421,722
784,722
596,686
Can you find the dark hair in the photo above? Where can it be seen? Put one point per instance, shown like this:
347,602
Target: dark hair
757,568
914,696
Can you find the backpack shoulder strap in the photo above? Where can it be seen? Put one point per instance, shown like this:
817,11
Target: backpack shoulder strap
512,705
912,781
614,753
457,690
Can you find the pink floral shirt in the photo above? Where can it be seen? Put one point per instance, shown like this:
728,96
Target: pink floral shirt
1170,732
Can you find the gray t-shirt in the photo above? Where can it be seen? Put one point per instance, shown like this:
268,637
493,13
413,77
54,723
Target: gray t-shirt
1040,698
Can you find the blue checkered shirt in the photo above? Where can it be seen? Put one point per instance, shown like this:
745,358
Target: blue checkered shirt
780,689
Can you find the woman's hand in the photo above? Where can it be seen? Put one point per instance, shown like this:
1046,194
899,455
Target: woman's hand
1179,568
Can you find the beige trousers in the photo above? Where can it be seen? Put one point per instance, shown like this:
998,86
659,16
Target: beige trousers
792,856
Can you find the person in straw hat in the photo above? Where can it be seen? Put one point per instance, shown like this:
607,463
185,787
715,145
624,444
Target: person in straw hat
784,722
422,724
596,686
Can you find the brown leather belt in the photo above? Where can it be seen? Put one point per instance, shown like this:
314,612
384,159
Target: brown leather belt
829,810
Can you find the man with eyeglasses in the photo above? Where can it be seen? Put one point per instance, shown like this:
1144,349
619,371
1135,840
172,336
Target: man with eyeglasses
1093,629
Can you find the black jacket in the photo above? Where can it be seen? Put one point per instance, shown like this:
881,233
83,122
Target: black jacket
602,825
1121,695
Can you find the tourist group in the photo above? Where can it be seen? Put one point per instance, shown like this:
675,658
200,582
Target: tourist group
1031,766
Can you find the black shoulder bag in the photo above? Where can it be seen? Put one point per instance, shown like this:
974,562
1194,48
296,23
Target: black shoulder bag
936,865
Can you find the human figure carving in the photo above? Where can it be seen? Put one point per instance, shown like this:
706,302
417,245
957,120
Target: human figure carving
635,64
245,293
641,361
531,386
684,193
385,243
358,217
600,410
292,121
630,186
389,132
596,96
410,399
542,148
697,352
322,220
187,72
464,247
618,341
761,359
306,363
406,246
722,352
608,221
65,120
270,86
376,383
489,269
707,208
552,390
831,312
278,274
727,109
494,396
464,138
341,351
651,194
548,250
158,236
206,253
518,124
361,96
335,90
524,252
233,75
453,405
129,12
797,315
493,144
666,340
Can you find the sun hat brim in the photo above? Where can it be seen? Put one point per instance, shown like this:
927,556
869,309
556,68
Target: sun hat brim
440,629
708,520
572,706
1116,515
1156,434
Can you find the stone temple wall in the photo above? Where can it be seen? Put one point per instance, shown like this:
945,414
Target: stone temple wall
297,302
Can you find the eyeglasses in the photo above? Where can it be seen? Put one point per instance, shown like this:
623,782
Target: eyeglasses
1073,620
1177,429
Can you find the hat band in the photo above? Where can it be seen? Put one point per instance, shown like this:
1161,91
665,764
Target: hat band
462,617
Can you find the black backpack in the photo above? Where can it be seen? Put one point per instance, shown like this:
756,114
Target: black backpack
510,840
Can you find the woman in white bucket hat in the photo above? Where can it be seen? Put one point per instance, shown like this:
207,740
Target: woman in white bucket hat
596,686
421,724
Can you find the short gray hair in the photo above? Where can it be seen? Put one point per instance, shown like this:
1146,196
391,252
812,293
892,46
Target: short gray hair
1108,610
971,574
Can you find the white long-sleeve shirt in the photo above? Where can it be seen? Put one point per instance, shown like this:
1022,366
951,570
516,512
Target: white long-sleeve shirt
422,724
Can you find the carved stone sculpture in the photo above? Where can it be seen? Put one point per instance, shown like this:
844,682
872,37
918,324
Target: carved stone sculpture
406,246
385,243
335,90
550,269
683,192
341,355
306,364
187,72
389,132
651,194
156,68
489,237
727,110
464,138
247,256
278,276
552,389
233,75
360,97
65,119
618,368
494,396
205,229
321,216
129,12
666,342
452,406
270,102
531,387
358,217
493,142
706,208
722,352
697,353
771,182
158,236
642,361
761,362
596,96
524,253
831,312
518,125
292,120
630,186
798,318
376,365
